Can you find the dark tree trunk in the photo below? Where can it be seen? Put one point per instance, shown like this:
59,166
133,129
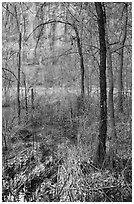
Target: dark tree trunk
32,98
18,81
26,106
120,80
120,83
5,141
81,98
101,149
25,87
81,62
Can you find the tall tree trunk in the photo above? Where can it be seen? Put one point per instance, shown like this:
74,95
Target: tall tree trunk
25,89
120,80
120,83
81,61
101,149
18,81
112,146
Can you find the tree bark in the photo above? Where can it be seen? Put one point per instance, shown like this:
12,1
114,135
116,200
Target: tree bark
101,149
32,98
112,136
25,88
81,61
120,83
120,80
18,81
81,98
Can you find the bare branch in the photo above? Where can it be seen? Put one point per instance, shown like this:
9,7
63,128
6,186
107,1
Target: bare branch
49,22
3,68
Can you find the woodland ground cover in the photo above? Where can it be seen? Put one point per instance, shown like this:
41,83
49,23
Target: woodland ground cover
50,157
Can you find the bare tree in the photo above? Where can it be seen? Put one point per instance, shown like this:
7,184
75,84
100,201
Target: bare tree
122,42
112,134
101,149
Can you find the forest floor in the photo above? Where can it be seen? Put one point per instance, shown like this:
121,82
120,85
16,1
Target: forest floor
48,157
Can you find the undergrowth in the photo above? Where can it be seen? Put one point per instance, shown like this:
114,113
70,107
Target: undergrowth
49,157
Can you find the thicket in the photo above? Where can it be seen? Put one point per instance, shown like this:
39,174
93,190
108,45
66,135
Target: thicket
66,101
49,157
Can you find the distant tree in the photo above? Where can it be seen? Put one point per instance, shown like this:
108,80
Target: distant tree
15,27
121,53
18,19
14,13
118,28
